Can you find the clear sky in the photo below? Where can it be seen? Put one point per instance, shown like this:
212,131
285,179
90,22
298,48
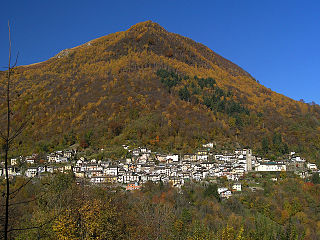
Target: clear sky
276,41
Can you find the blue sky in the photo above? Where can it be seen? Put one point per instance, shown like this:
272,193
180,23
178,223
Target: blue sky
277,42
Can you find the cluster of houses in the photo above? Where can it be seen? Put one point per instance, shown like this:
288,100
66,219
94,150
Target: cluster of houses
144,165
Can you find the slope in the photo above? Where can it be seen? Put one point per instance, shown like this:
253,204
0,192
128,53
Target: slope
109,91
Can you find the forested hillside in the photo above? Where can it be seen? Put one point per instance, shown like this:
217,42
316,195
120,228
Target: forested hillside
62,209
156,88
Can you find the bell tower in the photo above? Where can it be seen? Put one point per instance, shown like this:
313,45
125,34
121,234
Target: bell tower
249,159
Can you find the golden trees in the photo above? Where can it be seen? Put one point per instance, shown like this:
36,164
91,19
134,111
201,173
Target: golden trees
94,220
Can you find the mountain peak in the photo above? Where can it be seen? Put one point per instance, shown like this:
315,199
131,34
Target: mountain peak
146,82
146,25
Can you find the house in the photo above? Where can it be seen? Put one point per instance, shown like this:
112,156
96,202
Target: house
79,174
51,157
198,176
221,189
60,159
161,158
173,158
190,157
146,168
160,170
303,174
143,150
41,169
92,167
79,163
238,170
271,167
111,170
218,157
142,158
122,170
68,153
12,171
128,160
67,168
312,166
226,194
136,152
202,152
174,181
94,173
129,177
236,187
30,160
154,177
50,169
185,167
98,179
207,165
125,147
14,161
133,186
57,158
202,157
208,145
111,179
31,172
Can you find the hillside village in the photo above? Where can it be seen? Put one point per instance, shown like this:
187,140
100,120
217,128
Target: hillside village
145,165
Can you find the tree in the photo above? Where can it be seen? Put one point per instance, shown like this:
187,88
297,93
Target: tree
211,191
8,136
184,94
315,179
265,145
95,220
7,139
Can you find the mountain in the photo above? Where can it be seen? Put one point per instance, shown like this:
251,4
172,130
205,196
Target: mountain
152,87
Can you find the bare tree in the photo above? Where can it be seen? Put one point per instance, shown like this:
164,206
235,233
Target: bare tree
12,129
8,136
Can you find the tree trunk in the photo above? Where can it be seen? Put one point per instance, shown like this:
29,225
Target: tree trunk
7,140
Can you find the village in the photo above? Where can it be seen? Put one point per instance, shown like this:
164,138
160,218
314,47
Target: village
143,165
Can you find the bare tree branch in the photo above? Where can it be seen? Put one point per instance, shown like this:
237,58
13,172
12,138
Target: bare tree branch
15,63
19,130
36,227
2,135
18,189
27,201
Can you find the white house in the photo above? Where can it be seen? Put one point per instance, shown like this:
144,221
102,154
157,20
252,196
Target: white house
98,179
202,157
174,158
208,145
68,153
111,170
236,187
226,194
271,167
222,189
312,166
14,161
31,172
30,160
60,159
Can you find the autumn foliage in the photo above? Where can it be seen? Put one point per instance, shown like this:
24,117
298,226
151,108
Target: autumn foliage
112,87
